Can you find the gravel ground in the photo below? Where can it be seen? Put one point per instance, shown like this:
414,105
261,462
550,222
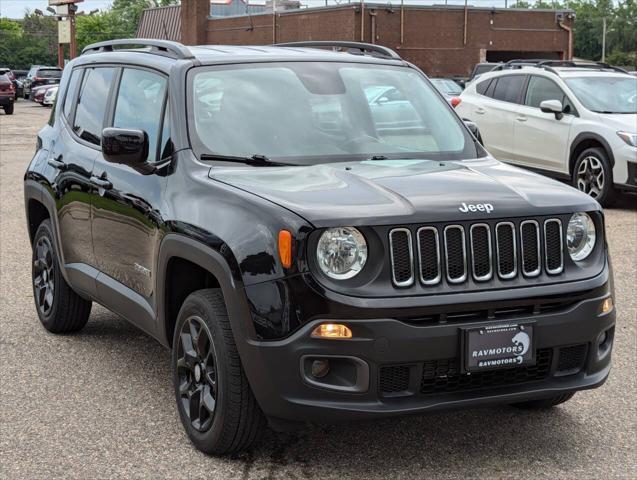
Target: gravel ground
99,403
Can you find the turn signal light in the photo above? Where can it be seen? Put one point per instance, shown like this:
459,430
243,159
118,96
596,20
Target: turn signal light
285,248
607,305
332,331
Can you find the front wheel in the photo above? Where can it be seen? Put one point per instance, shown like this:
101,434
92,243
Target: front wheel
215,403
593,175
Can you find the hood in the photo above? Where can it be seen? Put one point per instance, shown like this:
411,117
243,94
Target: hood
379,192
622,121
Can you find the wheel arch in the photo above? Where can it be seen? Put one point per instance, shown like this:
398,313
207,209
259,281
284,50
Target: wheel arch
588,140
186,265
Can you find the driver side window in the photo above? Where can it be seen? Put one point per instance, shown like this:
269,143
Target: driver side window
541,89
140,105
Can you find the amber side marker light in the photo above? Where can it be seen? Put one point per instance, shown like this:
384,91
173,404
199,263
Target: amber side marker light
332,331
285,248
607,305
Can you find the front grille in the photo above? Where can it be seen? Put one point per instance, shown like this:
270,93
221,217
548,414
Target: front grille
482,251
571,359
394,379
443,376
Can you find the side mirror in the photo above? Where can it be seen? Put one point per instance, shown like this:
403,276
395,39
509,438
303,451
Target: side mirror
473,128
126,146
553,106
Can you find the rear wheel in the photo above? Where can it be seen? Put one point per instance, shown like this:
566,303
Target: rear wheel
545,403
8,109
60,309
214,400
593,175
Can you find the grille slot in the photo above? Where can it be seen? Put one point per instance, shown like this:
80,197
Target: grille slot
429,255
553,246
394,379
506,250
481,256
455,254
530,246
444,375
402,257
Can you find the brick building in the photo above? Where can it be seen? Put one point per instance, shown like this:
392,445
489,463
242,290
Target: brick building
442,40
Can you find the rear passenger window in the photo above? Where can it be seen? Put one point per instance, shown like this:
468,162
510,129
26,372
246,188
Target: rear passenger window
481,87
69,98
140,104
508,88
91,104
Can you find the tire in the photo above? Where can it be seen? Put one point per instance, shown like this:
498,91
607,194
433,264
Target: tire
230,419
591,165
8,109
60,309
545,403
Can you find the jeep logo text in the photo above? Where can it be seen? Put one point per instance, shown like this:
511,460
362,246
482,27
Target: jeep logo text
478,207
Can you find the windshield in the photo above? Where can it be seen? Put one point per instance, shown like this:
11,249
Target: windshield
446,86
50,73
611,94
309,113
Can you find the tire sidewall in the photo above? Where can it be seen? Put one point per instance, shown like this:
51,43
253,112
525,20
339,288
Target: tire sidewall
45,230
607,194
196,306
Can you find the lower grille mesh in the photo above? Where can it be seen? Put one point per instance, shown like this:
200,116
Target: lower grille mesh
571,359
394,379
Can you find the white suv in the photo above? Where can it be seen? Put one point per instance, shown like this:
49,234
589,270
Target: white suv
575,121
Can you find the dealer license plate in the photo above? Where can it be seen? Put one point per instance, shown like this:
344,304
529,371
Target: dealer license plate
498,346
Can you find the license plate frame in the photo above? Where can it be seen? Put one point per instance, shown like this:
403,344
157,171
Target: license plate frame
499,346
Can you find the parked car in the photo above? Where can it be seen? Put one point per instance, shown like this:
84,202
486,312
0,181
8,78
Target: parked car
19,75
449,88
9,73
40,75
301,273
480,68
571,121
7,94
50,96
38,93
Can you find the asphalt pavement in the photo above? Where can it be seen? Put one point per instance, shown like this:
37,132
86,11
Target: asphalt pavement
99,403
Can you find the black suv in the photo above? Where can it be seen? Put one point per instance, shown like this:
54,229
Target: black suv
38,76
315,233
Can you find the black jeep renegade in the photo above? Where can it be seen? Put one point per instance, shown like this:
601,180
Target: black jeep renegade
316,235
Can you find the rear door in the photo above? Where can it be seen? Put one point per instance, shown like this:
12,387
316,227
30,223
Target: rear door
495,115
126,223
541,139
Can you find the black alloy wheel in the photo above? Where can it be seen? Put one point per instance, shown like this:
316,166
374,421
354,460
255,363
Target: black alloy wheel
44,275
197,373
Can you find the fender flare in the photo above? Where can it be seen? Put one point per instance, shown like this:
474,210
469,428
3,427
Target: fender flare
582,137
176,245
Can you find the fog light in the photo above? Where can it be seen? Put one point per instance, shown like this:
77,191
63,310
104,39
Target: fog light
320,368
607,305
602,339
332,331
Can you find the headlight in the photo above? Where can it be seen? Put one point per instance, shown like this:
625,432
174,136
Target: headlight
580,236
629,138
341,252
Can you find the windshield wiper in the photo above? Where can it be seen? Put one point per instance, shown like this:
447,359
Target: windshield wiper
254,160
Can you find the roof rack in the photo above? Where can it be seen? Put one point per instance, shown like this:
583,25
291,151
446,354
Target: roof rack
157,47
356,48
551,64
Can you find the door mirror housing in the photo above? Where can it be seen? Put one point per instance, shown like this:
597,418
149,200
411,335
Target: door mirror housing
126,146
553,106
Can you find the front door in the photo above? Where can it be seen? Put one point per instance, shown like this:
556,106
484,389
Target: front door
126,219
541,139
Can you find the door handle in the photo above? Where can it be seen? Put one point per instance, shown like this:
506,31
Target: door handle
57,163
481,111
521,118
101,182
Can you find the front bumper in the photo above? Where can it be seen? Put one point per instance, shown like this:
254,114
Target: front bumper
625,169
402,367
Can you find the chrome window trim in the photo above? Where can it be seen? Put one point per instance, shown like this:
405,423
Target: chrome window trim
515,250
436,280
537,271
555,271
463,278
488,276
410,281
